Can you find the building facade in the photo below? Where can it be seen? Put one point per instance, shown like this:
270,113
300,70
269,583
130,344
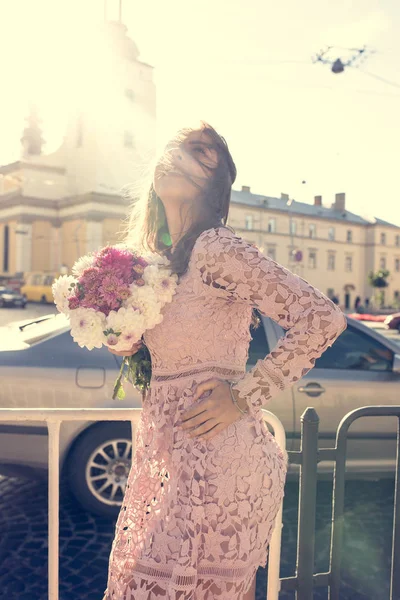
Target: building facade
56,207
328,246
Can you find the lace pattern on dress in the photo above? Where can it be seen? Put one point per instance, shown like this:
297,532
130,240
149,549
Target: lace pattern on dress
237,271
204,533
198,515
225,373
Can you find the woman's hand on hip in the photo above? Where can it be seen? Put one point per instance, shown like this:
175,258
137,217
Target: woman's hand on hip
135,348
213,414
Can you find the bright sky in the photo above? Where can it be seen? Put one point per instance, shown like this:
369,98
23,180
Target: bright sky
246,67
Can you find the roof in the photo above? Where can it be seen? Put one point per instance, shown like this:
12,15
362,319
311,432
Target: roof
4,169
279,204
302,208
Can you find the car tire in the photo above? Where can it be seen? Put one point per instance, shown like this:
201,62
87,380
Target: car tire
43,299
105,437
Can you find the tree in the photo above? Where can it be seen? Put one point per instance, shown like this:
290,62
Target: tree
379,281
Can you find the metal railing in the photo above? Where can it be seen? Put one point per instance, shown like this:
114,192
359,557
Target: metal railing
308,457
55,416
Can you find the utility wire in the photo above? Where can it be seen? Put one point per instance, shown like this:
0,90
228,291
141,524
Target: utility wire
393,83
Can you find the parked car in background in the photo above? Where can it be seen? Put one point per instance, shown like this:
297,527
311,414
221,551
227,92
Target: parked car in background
41,366
9,297
12,282
393,321
37,286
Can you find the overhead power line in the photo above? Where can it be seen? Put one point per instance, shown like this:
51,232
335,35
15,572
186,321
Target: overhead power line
383,79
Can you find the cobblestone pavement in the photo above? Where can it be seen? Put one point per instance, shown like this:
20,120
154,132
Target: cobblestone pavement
85,542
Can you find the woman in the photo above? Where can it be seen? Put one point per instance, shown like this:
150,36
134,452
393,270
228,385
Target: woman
207,478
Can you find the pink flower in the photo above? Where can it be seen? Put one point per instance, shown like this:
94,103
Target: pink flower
73,303
89,276
112,339
111,289
120,261
141,261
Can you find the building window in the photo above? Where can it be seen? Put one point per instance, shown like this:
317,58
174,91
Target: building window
6,248
331,262
129,94
331,233
311,230
271,225
249,221
128,139
397,240
383,238
312,259
382,262
293,227
271,252
349,263
397,265
349,236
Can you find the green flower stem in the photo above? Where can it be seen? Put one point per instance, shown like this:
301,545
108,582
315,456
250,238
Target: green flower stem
136,369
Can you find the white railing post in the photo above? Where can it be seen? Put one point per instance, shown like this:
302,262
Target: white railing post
274,559
53,427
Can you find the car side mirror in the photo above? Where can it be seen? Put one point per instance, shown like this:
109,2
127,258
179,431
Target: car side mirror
396,363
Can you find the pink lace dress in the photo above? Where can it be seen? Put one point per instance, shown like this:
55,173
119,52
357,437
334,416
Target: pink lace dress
197,516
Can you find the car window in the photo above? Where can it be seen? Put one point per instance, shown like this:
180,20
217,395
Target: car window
356,350
60,352
258,348
48,280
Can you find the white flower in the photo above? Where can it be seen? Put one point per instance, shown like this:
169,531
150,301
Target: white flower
159,260
162,281
145,299
87,326
82,264
155,259
61,292
127,325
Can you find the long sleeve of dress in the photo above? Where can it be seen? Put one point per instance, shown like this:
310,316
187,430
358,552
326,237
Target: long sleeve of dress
240,272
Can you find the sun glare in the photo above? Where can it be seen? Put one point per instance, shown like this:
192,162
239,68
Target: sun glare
63,63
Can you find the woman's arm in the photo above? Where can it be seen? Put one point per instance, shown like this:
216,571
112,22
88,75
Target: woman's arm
239,271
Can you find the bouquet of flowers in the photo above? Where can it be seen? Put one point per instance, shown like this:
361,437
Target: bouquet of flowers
112,298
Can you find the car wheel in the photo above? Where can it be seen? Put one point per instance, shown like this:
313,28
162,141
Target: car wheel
98,466
43,299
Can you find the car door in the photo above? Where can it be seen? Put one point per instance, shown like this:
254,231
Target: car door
356,371
263,340
53,373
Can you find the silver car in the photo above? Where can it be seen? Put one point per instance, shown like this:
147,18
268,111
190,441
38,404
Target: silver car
41,366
